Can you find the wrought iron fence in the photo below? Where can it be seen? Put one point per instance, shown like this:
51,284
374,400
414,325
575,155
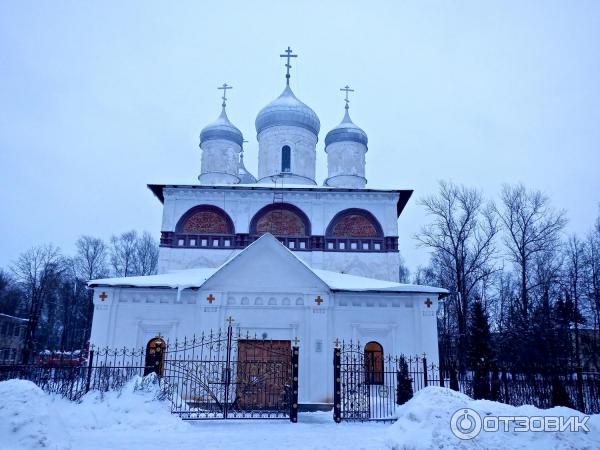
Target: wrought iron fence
369,386
227,375
219,375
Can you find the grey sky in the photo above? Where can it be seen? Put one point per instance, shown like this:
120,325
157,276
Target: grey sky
99,99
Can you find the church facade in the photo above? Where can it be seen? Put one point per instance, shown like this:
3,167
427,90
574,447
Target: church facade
281,255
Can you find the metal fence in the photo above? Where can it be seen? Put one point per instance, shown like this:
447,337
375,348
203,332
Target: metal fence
369,385
220,375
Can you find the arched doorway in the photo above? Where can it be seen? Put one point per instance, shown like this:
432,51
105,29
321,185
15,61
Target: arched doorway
373,363
155,356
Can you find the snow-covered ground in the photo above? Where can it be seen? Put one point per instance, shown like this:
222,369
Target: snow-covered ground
135,418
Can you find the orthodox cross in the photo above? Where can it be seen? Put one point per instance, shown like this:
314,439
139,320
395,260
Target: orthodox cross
288,66
347,90
337,343
224,88
296,340
230,320
103,296
428,302
318,300
210,298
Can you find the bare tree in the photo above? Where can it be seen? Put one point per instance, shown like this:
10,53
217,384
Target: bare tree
91,258
37,271
146,255
123,253
531,227
461,236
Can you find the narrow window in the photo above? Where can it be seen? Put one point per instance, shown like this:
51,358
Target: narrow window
286,159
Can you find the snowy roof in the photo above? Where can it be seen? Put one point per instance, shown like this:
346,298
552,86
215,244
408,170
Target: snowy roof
195,278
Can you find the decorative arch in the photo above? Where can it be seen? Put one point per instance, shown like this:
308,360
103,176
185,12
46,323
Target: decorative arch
205,219
354,223
155,356
374,363
281,219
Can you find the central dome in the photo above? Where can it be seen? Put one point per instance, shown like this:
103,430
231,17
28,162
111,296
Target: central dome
287,110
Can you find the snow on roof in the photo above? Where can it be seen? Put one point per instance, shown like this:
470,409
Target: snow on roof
195,278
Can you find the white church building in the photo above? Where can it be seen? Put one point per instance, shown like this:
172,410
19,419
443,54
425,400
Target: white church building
282,255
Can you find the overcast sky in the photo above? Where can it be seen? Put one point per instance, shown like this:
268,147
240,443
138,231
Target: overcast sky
99,99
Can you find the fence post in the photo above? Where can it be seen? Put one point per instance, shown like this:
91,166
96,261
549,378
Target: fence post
88,378
337,382
424,370
441,371
294,399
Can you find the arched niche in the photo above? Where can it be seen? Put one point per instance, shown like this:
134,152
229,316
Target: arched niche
374,363
354,223
280,219
205,219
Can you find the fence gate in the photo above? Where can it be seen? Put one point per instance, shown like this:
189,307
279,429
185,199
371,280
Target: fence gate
227,375
366,381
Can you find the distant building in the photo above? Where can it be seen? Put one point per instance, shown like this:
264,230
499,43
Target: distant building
12,338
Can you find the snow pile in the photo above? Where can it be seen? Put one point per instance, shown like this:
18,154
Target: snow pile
32,419
424,423
29,417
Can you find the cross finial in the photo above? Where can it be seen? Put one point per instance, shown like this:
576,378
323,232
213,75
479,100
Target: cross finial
225,87
288,66
347,89
337,343
296,341
230,320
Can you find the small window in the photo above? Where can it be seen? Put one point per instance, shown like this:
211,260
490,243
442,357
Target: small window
377,246
330,245
365,246
227,243
302,244
180,242
286,159
291,244
193,242
204,242
215,242
353,245
342,246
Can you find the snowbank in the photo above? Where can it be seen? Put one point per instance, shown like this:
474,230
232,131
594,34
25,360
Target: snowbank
32,419
424,423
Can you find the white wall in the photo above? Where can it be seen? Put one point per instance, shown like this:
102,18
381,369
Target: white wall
401,323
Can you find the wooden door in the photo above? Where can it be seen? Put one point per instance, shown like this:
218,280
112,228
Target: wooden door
263,374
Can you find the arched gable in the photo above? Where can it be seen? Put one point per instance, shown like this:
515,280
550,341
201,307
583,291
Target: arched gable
354,223
282,219
205,219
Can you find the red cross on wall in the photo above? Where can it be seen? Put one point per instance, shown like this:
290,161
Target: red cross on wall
103,296
210,298
428,302
318,300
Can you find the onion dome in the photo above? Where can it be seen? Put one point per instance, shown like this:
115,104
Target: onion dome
243,174
287,110
346,131
221,128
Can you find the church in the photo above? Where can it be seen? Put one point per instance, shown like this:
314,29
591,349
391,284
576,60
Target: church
283,256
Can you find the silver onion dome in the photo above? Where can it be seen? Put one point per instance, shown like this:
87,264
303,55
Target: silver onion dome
222,128
346,131
243,174
287,110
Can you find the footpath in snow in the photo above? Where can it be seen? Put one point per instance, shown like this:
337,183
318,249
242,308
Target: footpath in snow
135,418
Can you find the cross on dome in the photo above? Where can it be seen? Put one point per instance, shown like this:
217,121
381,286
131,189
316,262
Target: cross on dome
288,66
224,87
347,89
